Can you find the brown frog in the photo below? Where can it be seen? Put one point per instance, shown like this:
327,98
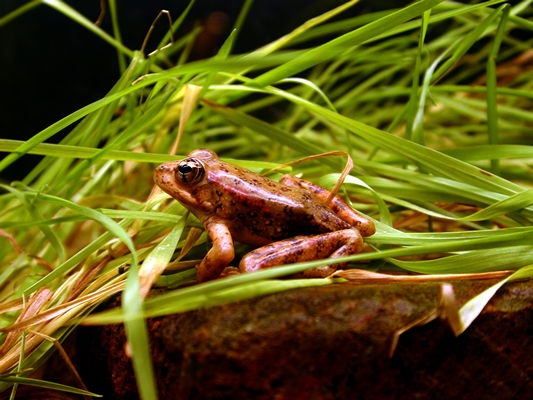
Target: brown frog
289,218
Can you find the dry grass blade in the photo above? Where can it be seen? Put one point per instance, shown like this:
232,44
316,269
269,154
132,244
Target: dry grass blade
340,181
365,277
65,358
94,298
35,303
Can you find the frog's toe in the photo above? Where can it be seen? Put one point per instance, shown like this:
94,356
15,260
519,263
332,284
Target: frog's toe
319,272
229,271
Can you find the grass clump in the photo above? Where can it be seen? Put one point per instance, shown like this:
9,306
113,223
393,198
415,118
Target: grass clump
431,101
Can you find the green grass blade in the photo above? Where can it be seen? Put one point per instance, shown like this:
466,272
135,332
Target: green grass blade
411,114
19,11
47,385
434,161
490,259
300,31
509,205
337,46
486,152
492,109
116,33
464,45
36,215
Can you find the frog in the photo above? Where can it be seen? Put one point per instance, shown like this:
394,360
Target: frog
287,221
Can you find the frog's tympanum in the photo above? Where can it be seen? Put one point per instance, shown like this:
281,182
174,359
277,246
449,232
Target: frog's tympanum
289,218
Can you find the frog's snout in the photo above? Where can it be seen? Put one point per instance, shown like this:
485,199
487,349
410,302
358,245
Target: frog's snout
163,174
164,169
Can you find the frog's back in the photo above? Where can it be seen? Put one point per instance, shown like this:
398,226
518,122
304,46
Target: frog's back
259,210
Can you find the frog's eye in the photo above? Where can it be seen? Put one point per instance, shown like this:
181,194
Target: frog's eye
190,171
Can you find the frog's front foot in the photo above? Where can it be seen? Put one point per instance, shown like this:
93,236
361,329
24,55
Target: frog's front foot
220,255
305,248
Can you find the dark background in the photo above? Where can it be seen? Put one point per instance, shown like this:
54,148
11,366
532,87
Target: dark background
50,66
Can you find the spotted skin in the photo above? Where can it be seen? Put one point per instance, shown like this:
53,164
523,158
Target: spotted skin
234,203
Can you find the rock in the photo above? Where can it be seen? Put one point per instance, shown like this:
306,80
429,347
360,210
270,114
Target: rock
328,342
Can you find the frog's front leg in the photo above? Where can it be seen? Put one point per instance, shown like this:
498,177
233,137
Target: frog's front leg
220,254
337,205
305,248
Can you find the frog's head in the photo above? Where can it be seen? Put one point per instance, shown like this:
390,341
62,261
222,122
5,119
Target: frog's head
183,179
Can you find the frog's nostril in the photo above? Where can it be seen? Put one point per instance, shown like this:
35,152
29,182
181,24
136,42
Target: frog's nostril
164,168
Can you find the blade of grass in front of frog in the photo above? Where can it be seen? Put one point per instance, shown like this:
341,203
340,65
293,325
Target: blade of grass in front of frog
196,296
401,238
159,257
212,293
473,307
208,295
137,335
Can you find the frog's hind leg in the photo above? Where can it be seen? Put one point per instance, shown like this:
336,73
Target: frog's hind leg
305,248
338,205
